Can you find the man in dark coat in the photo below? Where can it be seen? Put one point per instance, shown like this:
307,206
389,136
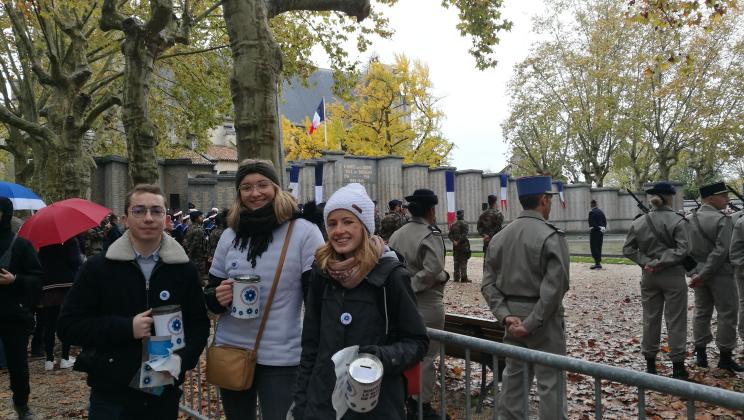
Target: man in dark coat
20,283
109,311
598,225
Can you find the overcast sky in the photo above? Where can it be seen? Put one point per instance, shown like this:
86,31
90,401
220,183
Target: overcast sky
474,102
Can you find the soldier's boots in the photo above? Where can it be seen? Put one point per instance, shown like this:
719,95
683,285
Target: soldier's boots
23,412
701,357
679,371
651,366
465,280
726,362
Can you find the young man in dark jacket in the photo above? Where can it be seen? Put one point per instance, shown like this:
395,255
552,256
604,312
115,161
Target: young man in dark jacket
108,311
20,283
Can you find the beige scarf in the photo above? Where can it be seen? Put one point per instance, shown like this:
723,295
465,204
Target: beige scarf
348,272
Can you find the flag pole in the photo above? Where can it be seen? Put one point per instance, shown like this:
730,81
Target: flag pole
325,124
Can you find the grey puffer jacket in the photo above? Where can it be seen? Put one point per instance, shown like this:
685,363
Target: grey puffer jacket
385,293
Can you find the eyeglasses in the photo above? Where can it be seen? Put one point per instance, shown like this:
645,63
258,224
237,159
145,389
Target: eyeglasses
140,211
260,186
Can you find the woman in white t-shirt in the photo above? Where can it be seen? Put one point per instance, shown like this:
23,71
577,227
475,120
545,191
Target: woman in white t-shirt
258,223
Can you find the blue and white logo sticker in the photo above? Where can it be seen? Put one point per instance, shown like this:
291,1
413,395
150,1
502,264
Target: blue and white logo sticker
346,318
164,295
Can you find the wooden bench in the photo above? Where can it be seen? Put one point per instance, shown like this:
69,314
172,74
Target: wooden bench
480,328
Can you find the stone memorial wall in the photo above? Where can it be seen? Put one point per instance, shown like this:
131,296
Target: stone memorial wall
385,178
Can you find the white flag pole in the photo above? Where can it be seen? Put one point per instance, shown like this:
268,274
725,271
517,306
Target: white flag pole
325,124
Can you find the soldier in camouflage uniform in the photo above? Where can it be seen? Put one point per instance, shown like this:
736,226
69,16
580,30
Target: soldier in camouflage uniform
392,221
220,224
94,240
195,243
458,234
489,223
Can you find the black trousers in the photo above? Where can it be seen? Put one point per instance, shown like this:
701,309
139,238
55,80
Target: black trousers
37,341
132,404
595,243
15,345
50,333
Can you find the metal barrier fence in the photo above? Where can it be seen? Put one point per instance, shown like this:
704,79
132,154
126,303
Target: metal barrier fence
642,381
201,400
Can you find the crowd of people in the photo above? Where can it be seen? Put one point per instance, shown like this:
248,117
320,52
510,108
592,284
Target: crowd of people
336,275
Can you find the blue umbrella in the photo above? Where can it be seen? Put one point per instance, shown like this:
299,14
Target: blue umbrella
22,197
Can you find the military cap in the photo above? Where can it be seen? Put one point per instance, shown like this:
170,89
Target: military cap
394,203
423,196
713,189
534,185
195,214
662,188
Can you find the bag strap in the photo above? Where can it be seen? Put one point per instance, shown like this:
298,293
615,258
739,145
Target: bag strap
656,232
277,275
702,231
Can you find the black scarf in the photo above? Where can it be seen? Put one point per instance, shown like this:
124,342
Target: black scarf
255,231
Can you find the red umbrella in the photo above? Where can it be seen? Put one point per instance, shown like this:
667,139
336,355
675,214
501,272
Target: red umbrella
61,221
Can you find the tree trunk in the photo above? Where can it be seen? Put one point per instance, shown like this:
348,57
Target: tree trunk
257,65
142,137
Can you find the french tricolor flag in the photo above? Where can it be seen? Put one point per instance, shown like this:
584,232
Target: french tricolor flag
318,118
449,181
504,179
318,182
294,181
559,187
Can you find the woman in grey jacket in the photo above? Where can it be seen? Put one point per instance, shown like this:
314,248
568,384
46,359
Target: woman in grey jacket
360,294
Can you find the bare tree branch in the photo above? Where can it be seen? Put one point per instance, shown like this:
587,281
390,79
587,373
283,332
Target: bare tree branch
111,19
99,109
192,52
162,10
29,127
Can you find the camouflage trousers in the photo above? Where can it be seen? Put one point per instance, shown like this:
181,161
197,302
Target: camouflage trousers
461,255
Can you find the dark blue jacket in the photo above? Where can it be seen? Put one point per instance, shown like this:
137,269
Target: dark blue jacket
597,218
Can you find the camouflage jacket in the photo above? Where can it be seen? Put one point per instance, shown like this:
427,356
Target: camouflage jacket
490,222
458,231
389,224
195,244
214,238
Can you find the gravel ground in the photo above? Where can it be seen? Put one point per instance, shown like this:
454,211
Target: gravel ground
603,324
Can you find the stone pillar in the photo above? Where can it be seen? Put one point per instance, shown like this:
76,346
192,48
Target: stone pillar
438,185
307,182
110,185
490,184
574,217
513,207
627,211
333,170
468,187
607,201
389,180
415,176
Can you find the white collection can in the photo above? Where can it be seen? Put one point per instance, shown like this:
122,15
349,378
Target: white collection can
363,383
168,320
246,301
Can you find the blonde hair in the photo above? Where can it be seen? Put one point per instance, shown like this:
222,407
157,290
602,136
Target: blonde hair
285,206
659,200
365,255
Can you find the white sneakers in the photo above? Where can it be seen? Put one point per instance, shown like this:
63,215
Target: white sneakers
63,364
67,363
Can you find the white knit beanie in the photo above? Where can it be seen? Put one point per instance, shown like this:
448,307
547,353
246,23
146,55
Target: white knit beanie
354,198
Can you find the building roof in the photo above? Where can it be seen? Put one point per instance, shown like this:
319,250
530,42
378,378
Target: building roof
221,153
298,101
196,158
